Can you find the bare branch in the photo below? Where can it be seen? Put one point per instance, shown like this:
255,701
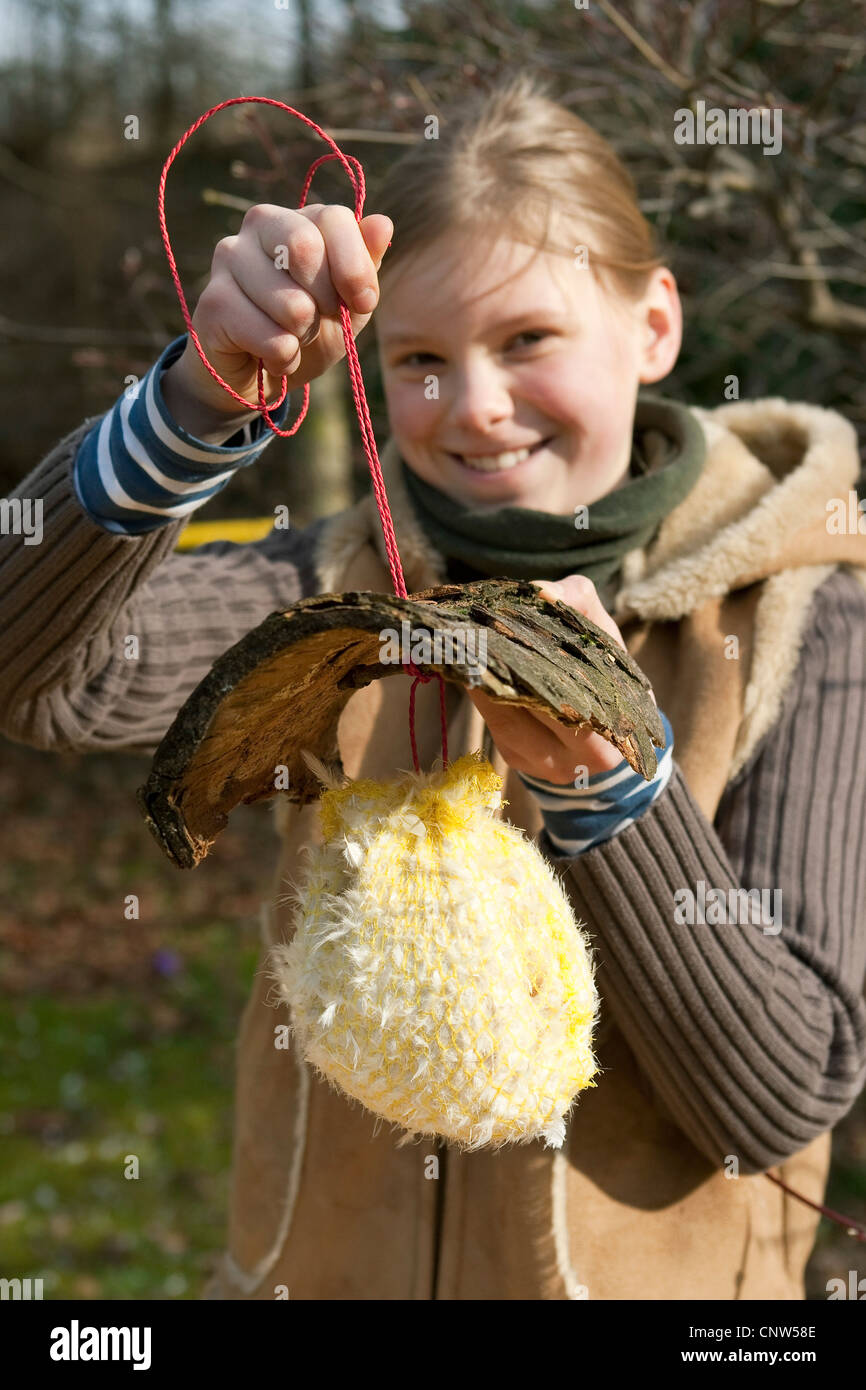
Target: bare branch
84,337
643,47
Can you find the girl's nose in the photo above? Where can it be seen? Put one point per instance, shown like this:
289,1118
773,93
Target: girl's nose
481,398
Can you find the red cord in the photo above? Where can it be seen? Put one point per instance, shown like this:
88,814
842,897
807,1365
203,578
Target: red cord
852,1228
366,425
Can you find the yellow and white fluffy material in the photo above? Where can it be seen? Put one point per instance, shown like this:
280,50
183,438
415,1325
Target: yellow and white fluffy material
437,973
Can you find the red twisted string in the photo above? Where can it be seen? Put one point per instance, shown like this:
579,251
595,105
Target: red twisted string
366,425
852,1228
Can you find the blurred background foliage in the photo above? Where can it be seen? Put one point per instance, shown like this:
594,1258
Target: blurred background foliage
769,251
118,1036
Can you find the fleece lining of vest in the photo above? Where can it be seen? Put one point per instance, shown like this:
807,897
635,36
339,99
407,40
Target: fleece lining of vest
757,513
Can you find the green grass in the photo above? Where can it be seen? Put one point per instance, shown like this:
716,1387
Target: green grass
105,1055
87,1082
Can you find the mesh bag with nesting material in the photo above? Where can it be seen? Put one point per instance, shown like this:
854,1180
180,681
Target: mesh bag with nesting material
437,973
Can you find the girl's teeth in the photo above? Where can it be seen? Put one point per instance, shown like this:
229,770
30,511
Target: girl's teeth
496,463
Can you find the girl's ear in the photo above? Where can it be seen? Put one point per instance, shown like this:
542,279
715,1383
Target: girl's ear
662,326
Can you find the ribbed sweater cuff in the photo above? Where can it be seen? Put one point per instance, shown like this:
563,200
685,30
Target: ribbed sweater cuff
139,469
66,522
577,818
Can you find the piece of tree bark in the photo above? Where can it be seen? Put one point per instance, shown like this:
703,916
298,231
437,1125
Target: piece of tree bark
282,688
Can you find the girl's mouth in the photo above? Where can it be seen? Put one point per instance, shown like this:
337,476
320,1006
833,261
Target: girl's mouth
500,463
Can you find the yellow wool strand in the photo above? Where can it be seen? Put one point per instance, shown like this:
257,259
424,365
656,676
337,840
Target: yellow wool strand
437,973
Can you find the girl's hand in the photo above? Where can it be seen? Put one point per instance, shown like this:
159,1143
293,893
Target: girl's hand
536,743
289,317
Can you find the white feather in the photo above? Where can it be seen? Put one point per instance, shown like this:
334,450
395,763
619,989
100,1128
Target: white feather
327,776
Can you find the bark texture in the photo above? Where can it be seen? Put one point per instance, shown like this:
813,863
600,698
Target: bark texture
282,688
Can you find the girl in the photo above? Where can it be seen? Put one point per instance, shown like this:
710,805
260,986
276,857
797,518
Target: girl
520,310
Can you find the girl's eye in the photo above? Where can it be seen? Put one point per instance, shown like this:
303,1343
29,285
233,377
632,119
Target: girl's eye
413,359
537,334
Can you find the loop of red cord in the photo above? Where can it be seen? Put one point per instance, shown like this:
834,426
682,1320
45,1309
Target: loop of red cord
367,437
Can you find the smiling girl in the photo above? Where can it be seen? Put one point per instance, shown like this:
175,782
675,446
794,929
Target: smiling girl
520,310
536,370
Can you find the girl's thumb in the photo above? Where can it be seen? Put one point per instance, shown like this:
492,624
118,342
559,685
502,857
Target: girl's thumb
377,231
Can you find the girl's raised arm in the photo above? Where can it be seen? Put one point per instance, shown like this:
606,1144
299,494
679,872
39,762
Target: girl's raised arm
102,634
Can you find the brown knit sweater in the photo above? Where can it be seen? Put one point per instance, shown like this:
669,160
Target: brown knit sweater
761,1067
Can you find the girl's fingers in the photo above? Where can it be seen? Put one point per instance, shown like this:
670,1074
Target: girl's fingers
581,594
325,251
528,740
351,266
377,231
274,292
253,332
293,244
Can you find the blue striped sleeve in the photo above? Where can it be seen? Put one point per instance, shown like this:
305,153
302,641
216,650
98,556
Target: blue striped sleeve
138,469
579,818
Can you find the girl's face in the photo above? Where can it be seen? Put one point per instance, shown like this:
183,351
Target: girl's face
511,378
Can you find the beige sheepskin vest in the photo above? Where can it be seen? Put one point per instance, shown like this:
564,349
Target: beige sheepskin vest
324,1205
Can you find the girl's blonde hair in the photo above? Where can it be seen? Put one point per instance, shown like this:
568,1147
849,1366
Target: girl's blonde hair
512,162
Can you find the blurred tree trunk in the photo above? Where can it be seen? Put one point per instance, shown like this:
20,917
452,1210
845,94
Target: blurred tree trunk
326,480
74,61
121,29
163,98
326,485
307,64
359,27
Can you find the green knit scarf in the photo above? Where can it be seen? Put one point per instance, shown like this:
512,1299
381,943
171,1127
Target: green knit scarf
668,453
